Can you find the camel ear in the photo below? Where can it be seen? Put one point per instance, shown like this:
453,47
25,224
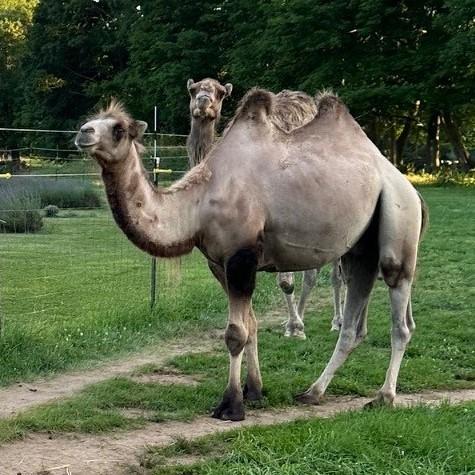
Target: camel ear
229,89
189,83
140,128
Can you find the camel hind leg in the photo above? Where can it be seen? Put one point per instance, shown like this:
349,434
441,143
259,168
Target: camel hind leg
360,271
399,235
337,285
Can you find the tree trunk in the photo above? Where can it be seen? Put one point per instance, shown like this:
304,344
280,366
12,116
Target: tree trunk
433,140
392,144
401,141
456,140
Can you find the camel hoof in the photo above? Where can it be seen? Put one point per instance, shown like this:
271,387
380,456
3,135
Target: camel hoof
336,325
230,410
252,394
381,400
295,334
309,398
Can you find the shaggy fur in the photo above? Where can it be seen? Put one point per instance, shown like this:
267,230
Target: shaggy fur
287,110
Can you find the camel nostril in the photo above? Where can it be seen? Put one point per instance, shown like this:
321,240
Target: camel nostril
87,130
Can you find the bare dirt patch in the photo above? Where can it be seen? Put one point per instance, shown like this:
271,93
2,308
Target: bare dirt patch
165,377
21,396
108,455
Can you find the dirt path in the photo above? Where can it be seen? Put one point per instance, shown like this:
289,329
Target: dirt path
21,396
107,455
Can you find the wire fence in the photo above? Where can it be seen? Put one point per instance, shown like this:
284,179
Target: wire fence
61,254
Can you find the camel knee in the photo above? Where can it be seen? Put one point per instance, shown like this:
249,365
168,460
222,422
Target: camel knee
235,338
336,276
286,282
392,270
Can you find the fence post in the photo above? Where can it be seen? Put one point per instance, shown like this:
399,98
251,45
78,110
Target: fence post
156,165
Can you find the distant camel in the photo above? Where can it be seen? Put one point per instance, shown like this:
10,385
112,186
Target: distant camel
206,100
267,200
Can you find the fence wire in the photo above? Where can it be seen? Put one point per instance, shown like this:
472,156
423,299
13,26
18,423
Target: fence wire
61,255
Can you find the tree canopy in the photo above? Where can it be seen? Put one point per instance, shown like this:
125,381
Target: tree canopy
406,69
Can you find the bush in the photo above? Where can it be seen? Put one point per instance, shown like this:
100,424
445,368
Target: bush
19,212
443,177
51,211
68,193
63,193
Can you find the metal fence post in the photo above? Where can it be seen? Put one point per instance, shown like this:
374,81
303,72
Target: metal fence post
156,165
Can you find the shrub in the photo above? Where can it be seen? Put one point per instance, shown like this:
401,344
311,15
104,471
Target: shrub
63,193
68,193
19,212
443,177
51,211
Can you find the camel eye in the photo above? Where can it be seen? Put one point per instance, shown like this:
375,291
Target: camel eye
118,132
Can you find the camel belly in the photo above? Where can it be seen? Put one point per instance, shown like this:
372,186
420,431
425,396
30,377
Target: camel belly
287,253
311,235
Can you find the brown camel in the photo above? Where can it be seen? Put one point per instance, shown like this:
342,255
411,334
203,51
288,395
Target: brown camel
206,100
268,200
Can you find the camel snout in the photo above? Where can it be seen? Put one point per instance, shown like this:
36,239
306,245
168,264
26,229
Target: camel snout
85,137
203,101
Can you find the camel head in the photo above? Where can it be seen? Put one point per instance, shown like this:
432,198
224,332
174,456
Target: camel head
109,135
206,98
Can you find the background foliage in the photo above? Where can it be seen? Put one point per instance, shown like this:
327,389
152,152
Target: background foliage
405,68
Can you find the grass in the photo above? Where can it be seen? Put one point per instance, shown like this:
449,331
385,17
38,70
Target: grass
420,440
90,301
78,291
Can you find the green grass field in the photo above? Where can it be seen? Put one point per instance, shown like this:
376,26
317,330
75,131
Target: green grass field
420,440
79,292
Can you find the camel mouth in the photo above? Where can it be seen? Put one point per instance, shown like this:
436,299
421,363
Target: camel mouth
84,145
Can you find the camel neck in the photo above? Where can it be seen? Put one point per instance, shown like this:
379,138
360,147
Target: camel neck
200,140
159,222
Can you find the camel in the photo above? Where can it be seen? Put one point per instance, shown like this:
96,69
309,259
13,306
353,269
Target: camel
206,100
264,199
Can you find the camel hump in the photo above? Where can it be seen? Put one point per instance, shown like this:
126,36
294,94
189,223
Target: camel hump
329,102
256,105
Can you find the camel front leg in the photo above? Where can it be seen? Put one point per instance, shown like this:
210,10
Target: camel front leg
309,282
294,326
253,386
240,274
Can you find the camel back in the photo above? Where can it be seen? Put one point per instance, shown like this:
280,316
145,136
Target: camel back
287,110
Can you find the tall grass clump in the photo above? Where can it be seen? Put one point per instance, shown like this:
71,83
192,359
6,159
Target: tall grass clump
19,211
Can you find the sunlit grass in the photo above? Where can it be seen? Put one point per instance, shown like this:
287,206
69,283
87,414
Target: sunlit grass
420,440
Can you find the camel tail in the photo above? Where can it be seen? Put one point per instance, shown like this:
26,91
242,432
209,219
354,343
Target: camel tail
425,216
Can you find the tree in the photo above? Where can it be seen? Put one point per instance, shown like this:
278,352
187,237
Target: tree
72,46
15,19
